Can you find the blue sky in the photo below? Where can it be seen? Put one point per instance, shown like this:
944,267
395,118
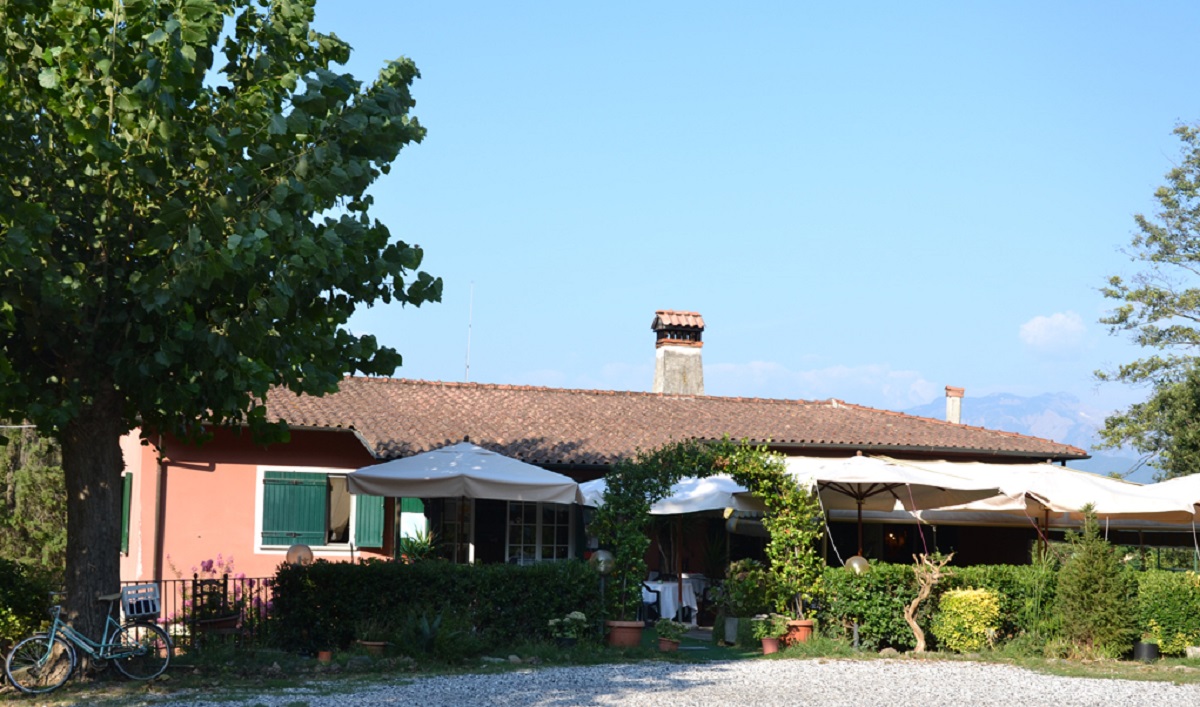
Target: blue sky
868,201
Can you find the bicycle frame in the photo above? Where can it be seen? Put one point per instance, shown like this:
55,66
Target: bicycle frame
103,649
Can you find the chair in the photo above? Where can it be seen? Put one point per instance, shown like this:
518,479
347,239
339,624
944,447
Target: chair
651,609
212,613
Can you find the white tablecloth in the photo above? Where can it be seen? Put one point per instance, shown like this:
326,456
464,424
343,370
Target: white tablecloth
668,598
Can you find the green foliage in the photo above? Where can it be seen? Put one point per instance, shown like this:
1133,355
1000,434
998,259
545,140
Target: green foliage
747,589
967,619
621,522
1096,595
793,516
24,600
33,511
320,605
573,625
875,599
773,626
421,546
1026,595
1168,609
1157,307
794,520
184,226
669,629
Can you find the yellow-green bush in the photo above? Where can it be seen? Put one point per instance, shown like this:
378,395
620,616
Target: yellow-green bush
1169,609
967,619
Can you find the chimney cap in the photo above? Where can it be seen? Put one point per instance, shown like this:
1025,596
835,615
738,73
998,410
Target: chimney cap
672,319
953,392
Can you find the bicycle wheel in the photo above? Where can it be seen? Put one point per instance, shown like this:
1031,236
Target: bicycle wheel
141,651
39,664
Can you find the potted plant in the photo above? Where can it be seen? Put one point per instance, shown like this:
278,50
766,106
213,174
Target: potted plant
669,632
745,592
372,634
569,629
1146,650
769,630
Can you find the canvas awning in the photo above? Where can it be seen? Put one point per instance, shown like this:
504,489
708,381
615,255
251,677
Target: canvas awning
691,495
463,470
1044,489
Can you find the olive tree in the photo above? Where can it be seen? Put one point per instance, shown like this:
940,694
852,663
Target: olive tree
183,226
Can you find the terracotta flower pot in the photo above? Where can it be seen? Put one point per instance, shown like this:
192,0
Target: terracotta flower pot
667,645
625,634
770,645
799,631
325,656
373,647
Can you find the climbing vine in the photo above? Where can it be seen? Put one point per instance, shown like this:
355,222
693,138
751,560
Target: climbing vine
792,516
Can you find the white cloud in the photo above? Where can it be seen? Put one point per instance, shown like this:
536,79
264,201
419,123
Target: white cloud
1059,334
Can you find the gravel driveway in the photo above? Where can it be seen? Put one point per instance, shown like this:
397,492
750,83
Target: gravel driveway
759,682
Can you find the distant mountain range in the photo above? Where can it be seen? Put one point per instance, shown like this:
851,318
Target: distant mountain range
1057,416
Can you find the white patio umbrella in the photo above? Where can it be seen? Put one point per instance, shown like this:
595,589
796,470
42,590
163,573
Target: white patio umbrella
691,495
463,470
873,484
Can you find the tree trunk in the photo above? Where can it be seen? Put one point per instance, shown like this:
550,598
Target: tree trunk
92,464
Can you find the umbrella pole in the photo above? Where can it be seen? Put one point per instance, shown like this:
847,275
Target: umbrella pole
860,552
679,565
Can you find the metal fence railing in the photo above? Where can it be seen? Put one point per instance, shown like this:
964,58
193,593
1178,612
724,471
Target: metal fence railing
203,609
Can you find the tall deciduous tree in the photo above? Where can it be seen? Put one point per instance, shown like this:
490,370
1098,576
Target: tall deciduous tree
183,225
1160,308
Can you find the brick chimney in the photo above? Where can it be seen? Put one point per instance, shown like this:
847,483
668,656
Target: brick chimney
677,363
954,398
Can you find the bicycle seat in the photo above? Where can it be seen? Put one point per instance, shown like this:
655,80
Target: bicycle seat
108,597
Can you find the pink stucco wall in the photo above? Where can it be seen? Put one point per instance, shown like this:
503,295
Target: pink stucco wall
210,496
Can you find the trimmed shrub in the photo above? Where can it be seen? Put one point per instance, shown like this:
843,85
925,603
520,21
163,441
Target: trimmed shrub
318,607
1168,609
1096,596
749,588
1026,594
876,600
967,619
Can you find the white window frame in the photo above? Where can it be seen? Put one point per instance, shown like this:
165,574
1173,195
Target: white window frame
538,531
348,548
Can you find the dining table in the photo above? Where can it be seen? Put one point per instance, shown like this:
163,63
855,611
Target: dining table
668,598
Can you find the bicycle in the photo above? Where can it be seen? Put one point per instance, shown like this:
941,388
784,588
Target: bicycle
140,650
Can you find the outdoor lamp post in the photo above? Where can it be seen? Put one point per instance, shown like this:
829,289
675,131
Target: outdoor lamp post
604,562
299,555
858,564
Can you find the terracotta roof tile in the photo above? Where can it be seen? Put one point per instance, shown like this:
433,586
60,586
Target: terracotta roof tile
672,318
398,418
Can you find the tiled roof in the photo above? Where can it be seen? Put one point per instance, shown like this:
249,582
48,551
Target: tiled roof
549,426
671,318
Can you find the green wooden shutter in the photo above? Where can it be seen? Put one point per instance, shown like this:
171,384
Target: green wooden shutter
368,526
126,497
412,505
294,507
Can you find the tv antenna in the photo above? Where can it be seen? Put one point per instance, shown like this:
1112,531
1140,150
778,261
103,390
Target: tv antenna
470,315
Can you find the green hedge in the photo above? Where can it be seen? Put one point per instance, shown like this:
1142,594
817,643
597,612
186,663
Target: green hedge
1169,609
322,605
877,600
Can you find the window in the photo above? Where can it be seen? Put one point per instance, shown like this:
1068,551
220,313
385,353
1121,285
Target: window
538,532
312,508
126,497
